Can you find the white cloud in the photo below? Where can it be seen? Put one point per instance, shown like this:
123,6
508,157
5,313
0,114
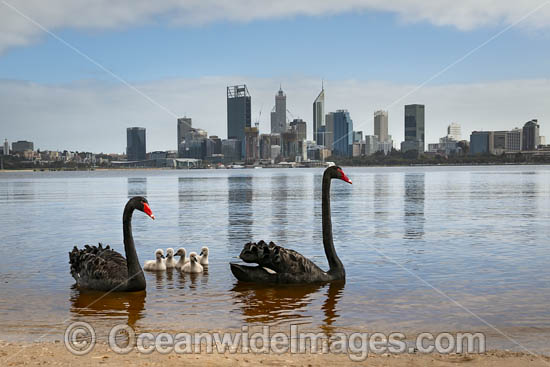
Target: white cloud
15,30
93,116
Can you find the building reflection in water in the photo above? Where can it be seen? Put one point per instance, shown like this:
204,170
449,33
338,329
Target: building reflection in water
279,207
240,219
413,208
261,303
137,186
127,306
381,206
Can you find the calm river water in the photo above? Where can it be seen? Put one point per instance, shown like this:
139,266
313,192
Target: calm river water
416,243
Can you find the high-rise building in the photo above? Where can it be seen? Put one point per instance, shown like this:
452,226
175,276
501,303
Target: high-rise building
481,142
531,137
135,144
357,136
381,125
327,131
251,143
343,134
414,128
238,112
278,115
371,145
231,150
454,131
184,126
499,142
513,140
319,117
6,147
21,146
300,127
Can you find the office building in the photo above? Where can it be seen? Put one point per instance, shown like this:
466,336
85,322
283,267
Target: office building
231,150
327,131
239,115
278,115
454,131
481,142
21,146
531,137
184,126
251,143
6,147
319,117
357,136
343,134
371,145
414,128
513,140
381,125
499,142
135,144
300,127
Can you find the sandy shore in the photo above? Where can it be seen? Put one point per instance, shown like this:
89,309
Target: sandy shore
54,353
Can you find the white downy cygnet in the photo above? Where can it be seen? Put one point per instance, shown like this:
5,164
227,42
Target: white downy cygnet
170,260
157,264
203,256
183,260
193,265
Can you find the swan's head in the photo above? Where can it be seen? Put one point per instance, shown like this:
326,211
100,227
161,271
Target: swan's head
141,204
193,257
337,172
159,254
180,252
169,252
254,252
204,251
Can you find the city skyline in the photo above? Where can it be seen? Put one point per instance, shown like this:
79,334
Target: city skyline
492,88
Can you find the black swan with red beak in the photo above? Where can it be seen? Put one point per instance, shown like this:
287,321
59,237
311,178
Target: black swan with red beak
101,268
280,265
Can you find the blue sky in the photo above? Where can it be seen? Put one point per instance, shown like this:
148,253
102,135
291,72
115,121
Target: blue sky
373,50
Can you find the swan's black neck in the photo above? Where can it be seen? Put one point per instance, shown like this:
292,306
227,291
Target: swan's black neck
136,279
336,266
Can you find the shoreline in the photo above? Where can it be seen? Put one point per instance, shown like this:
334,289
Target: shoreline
55,353
104,169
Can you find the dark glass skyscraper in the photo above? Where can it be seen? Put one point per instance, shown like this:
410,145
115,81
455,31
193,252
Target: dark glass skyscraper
239,115
414,128
135,143
343,134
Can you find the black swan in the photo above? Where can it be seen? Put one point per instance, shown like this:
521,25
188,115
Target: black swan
104,269
279,265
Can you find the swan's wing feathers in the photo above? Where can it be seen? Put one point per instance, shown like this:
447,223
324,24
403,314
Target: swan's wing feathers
94,263
276,258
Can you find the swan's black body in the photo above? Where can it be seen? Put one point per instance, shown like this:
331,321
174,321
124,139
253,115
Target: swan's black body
104,269
279,265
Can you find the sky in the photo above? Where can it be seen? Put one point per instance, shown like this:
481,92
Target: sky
75,73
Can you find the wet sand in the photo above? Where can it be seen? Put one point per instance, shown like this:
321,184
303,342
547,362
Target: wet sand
54,353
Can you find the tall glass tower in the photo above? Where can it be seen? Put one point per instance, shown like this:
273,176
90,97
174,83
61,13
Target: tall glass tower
239,114
319,117
135,143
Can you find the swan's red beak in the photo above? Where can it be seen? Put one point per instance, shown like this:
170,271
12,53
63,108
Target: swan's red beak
147,210
344,177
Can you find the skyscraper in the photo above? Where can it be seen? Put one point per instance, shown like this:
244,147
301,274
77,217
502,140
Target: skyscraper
251,144
319,117
531,137
6,147
278,116
184,126
454,131
381,125
300,127
135,144
238,113
414,128
343,134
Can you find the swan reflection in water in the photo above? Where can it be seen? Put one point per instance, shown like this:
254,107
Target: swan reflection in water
267,304
128,306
